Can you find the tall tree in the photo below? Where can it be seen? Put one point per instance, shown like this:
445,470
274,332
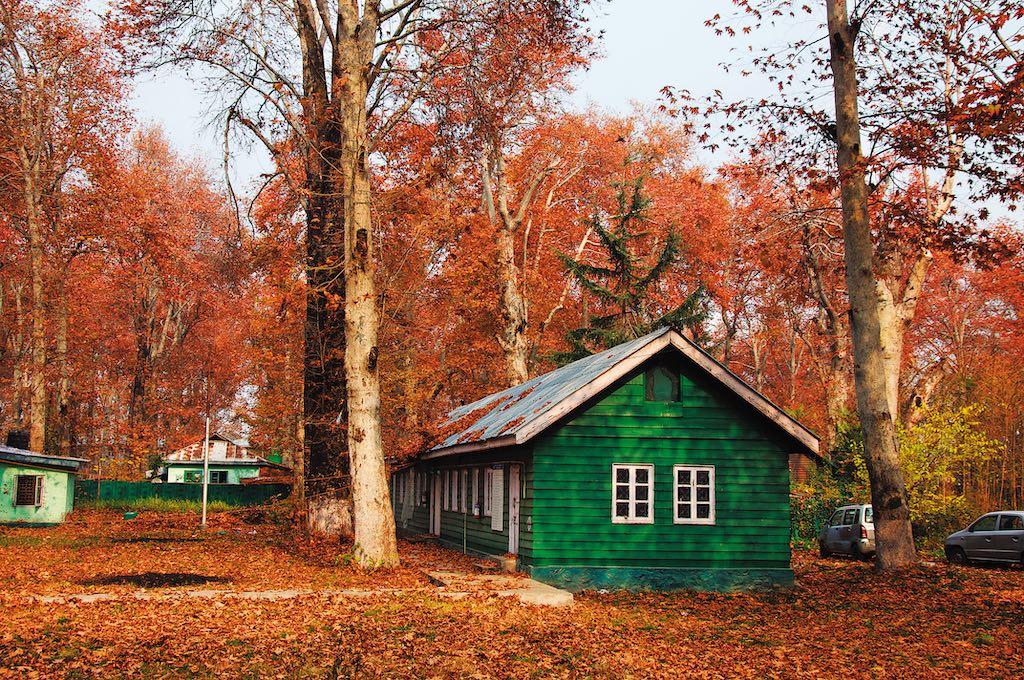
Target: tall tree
895,540
58,90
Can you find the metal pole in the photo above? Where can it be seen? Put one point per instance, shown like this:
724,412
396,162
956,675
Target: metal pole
206,467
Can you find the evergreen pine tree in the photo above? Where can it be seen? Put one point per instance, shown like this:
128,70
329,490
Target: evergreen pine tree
624,286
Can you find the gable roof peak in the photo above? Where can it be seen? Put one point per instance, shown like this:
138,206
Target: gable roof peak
519,413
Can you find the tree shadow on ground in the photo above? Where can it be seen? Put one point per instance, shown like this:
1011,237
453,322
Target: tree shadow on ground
151,579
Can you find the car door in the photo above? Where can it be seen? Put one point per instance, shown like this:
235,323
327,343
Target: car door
844,533
835,524
980,538
1007,538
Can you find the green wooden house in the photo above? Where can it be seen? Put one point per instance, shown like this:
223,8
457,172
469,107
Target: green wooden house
36,490
647,466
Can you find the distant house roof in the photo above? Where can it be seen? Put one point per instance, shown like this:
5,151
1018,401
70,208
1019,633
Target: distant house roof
516,415
32,459
233,462
236,449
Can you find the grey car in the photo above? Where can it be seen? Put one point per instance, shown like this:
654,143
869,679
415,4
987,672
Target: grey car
849,531
995,537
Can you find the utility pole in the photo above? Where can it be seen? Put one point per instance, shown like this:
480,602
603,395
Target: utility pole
206,467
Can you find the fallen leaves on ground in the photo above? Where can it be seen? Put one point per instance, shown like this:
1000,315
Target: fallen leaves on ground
841,620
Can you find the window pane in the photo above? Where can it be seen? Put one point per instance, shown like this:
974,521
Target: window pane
848,518
641,476
703,511
622,509
684,477
986,523
641,493
641,509
684,493
622,475
684,511
703,477
703,493
661,383
621,492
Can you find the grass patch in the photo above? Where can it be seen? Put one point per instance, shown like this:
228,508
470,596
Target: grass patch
155,504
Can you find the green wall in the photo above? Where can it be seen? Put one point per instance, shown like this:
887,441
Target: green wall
58,496
577,543
176,473
467,530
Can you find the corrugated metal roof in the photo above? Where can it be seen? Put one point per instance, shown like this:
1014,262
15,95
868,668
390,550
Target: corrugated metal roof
505,413
519,413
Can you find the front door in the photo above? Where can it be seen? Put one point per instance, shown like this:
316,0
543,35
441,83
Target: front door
435,504
513,508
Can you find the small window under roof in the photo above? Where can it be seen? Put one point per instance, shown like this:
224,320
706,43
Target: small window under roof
661,383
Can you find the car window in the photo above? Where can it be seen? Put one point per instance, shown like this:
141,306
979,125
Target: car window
850,517
869,515
836,519
986,523
1011,523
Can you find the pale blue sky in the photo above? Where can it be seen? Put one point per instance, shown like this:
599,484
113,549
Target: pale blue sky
647,45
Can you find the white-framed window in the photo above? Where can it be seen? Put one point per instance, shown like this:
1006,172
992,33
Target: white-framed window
453,491
29,490
464,491
632,494
444,489
488,482
218,476
694,494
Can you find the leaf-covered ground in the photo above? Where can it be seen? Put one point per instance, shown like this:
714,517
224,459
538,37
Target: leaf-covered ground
842,620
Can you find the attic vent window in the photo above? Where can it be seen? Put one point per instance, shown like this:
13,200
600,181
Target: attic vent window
661,383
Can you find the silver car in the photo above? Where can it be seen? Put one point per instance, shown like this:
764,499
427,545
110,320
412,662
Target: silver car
849,531
995,537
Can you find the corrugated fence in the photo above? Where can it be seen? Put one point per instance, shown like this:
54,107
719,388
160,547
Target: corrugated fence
232,494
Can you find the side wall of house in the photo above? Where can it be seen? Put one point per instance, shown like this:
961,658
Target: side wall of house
57,495
466,524
176,473
578,544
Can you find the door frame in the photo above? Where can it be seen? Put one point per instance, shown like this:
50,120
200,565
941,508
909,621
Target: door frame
514,494
435,504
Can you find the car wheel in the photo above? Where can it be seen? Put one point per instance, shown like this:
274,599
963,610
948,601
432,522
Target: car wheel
956,556
825,552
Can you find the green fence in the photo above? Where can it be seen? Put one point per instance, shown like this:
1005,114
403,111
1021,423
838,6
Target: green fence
233,494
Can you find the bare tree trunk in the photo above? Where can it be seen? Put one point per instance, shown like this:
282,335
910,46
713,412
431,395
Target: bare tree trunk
62,399
324,415
917,401
37,394
894,539
375,541
514,319
513,308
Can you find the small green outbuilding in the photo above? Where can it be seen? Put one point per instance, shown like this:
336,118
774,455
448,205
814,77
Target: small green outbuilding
35,489
646,466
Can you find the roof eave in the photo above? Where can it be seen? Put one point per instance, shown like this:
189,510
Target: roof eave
470,447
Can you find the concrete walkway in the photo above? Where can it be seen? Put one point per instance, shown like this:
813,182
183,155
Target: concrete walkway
528,591
450,585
